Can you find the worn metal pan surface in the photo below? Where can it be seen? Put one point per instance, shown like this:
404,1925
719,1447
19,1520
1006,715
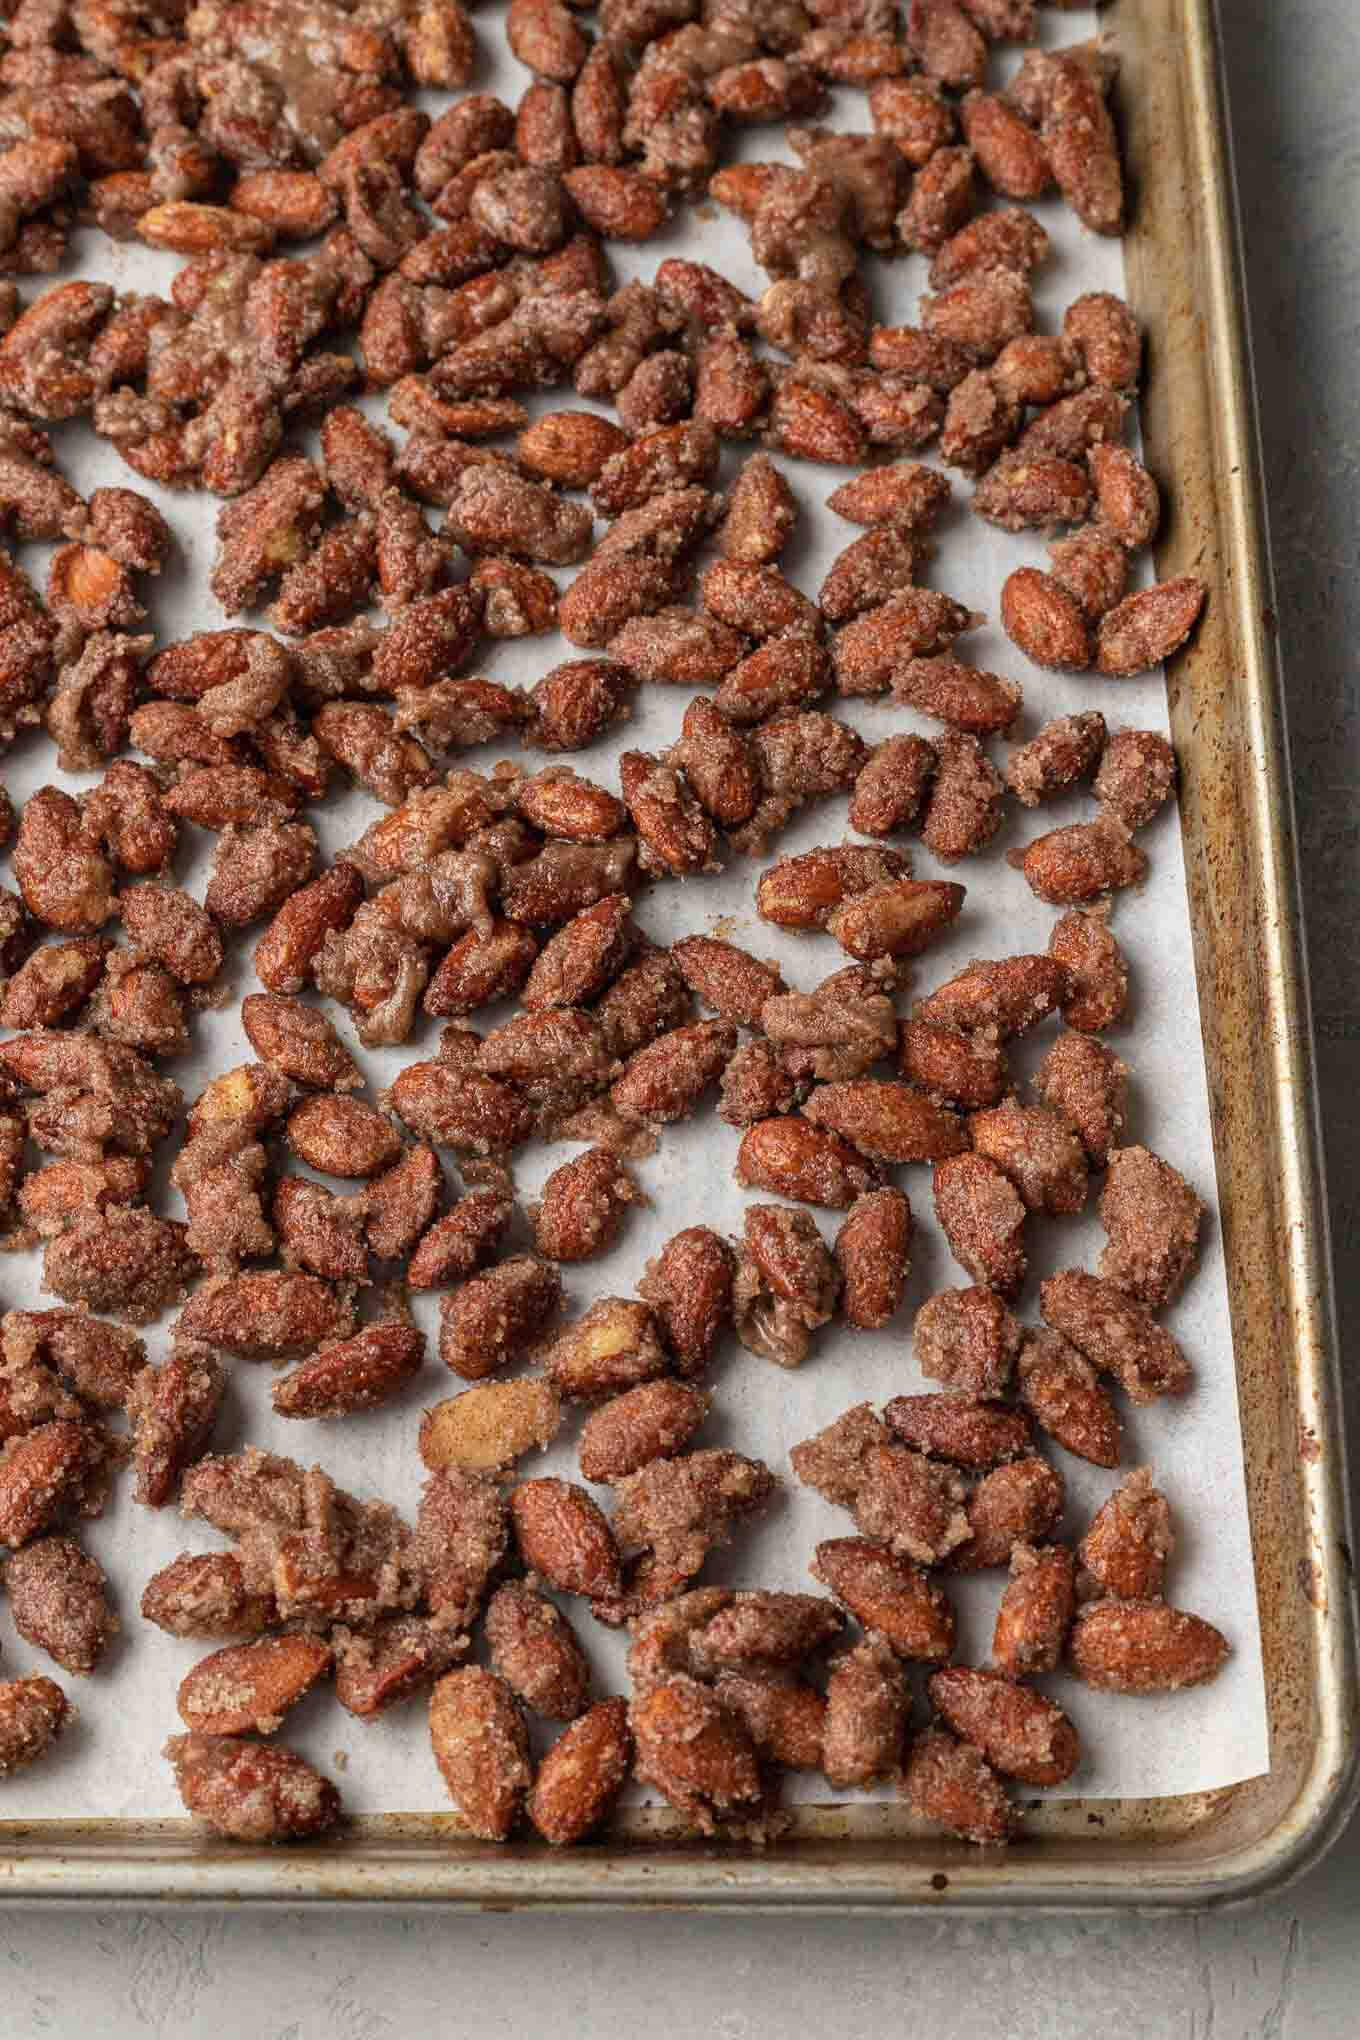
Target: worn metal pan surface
1226,713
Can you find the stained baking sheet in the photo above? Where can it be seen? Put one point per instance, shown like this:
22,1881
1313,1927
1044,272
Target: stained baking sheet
110,1766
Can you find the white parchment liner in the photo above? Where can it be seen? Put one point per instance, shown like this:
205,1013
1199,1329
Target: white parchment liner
109,1764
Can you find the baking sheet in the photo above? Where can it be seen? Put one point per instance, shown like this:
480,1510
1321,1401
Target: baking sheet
110,1766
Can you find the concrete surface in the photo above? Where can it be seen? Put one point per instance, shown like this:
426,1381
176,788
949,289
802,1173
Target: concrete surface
1287,1971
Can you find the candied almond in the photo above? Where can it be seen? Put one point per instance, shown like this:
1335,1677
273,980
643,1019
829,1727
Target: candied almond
983,1218
564,1538
689,1285
886,1119
613,1347
1137,776
888,1595
1020,1501
1144,1647
694,1751
251,1792
581,1774
1152,1221
205,1595
1035,1612
489,1317
490,1426
248,1686
1070,866
1021,1733
872,1252
951,1784
480,1745
959,1427
534,1649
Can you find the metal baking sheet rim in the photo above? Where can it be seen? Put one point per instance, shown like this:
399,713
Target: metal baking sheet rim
1209,1849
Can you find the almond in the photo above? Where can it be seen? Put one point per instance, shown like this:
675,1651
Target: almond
479,1742
999,998
665,1080
489,1427
1036,1610
1009,152
561,804
205,1596
873,1254
173,1409
460,1109
786,673
1070,866
1018,1503
1149,626
1038,1151
249,1792
488,1319
613,1347
953,1785
534,1649
456,1245
33,1713
1115,1334
965,697
298,1041
905,494
901,917
652,1421
582,1774
1152,1221
564,1538
868,1706
263,1316
190,229
293,940
1144,1647
1061,1392
1046,622
719,764
889,1120
1126,495
675,833
251,1686
810,423
1130,1540
694,1752
1098,985
958,1427
354,1374
59,1600
888,1595
1020,1732
982,1216
42,1474
805,891
1024,492
965,1070
481,967
690,1286
810,1163
619,204
869,651
295,203
381,1667
1105,334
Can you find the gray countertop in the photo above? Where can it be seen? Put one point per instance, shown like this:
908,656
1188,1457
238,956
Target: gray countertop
1289,1970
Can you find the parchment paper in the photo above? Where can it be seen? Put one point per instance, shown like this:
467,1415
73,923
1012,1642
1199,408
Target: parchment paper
109,1764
